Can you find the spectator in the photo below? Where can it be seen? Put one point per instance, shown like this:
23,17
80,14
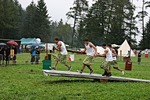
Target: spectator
139,57
2,56
20,49
15,53
37,55
7,54
33,54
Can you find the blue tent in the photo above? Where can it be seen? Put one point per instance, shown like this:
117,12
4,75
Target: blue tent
29,41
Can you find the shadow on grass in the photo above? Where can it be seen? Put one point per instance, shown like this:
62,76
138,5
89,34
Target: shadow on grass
84,81
67,81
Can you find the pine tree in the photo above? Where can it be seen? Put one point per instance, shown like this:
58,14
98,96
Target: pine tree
147,35
77,12
43,20
30,28
9,19
109,21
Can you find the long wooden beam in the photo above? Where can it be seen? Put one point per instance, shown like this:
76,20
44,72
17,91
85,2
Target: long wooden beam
92,76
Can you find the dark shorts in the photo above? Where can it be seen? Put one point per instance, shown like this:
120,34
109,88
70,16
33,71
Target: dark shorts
139,59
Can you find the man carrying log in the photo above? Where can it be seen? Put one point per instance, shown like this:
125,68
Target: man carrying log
90,51
109,60
62,56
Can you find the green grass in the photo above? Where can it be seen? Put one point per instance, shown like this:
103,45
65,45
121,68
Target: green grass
27,82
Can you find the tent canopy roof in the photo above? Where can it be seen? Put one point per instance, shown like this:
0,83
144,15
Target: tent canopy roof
125,48
29,41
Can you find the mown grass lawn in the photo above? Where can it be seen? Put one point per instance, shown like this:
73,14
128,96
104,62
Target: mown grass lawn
27,82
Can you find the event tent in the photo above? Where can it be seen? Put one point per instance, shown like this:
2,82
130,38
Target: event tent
30,41
125,48
100,50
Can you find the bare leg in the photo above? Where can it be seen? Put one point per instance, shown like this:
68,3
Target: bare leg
117,68
89,67
66,65
91,71
56,63
83,67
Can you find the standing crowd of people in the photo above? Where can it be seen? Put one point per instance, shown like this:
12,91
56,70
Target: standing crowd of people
91,52
8,53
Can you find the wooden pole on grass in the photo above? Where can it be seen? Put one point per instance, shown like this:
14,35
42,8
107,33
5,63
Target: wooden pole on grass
46,57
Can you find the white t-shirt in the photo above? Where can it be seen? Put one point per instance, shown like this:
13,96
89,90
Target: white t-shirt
63,49
89,50
109,55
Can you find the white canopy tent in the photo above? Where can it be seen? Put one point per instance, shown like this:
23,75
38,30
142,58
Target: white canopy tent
100,50
125,49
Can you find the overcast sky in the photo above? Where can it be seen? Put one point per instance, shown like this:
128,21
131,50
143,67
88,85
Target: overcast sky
57,9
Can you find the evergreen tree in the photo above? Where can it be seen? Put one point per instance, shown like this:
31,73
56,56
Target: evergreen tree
30,28
9,19
147,36
37,24
109,21
77,12
64,31
42,18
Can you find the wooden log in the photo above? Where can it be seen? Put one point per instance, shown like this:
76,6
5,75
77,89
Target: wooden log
74,51
92,76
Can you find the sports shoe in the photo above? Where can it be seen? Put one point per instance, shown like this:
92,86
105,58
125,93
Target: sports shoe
122,72
80,71
69,68
109,74
91,71
104,74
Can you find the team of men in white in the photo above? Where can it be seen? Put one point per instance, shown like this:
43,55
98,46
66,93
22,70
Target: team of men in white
91,52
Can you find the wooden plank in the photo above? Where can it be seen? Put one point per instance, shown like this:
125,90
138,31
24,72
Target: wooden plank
92,76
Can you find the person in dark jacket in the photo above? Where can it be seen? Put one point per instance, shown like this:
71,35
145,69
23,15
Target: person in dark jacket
139,57
2,58
37,55
7,55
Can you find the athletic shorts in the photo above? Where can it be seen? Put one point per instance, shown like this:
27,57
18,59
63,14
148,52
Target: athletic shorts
89,60
106,65
61,58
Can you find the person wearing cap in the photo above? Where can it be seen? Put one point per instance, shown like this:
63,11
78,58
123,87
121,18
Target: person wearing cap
108,60
91,52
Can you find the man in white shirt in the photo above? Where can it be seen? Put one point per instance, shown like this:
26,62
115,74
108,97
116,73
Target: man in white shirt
91,52
115,66
109,60
62,56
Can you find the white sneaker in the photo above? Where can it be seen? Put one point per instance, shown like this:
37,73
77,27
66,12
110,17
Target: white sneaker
122,72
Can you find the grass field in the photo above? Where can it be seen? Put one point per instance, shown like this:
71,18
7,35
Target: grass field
27,82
